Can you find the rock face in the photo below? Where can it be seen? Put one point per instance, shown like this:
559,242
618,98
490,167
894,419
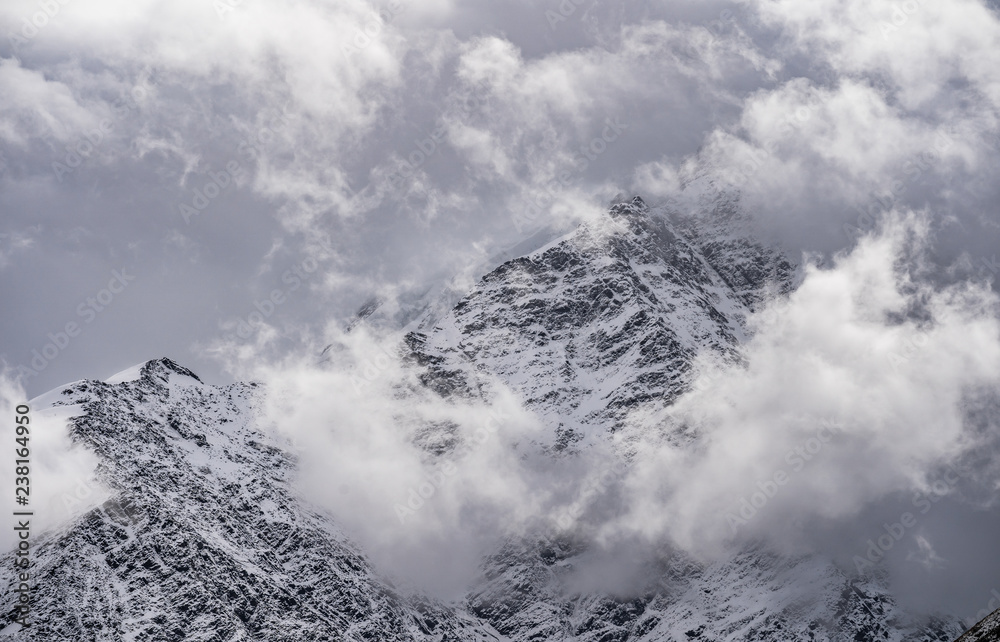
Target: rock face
205,538
603,319
987,630
591,326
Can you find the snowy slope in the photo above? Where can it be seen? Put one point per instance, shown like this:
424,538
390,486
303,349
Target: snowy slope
756,595
988,630
600,320
204,537
604,320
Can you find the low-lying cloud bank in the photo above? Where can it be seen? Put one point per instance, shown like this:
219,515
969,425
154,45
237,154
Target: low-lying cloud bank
859,385
58,480
865,385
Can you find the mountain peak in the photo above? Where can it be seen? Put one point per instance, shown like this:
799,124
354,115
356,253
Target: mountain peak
162,368
634,206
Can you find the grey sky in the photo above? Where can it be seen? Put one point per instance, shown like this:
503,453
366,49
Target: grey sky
318,117
168,95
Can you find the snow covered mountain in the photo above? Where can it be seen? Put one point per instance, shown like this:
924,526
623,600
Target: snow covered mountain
603,318
591,326
987,630
206,538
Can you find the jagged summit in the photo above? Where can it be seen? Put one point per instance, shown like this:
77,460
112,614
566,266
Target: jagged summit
163,367
203,536
603,319
424,307
636,204
158,369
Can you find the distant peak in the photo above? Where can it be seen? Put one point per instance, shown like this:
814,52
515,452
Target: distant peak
365,311
624,206
161,368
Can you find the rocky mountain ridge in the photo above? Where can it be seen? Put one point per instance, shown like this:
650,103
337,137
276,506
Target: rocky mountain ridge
205,537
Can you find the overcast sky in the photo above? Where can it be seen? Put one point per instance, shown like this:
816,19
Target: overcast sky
116,116
167,169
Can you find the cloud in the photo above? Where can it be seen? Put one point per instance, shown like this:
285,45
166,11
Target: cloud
855,388
36,104
940,43
428,485
877,105
13,243
392,142
58,480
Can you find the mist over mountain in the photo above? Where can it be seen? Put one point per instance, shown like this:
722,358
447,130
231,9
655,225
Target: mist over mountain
555,457
547,320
